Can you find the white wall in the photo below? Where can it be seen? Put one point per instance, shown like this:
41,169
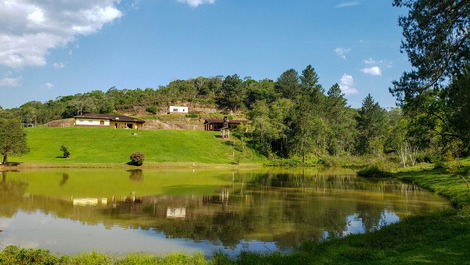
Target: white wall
177,109
91,122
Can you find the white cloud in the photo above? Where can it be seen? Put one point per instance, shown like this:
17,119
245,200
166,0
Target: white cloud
196,3
346,83
29,28
374,70
58,65
342,52
10,81
383,63
347,4
49,85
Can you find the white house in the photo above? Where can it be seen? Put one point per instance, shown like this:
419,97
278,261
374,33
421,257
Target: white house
178,109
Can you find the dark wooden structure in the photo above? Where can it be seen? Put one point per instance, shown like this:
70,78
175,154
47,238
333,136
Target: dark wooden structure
219,124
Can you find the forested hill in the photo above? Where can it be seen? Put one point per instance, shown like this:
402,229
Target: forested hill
292,117
227,94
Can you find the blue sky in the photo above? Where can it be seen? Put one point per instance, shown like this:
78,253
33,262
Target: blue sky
79,46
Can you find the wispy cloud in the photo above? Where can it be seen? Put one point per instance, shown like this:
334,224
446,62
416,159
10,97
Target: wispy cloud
49,85
374,70
196,3
383,63
346,83
58,65
342,52
10,81
348,4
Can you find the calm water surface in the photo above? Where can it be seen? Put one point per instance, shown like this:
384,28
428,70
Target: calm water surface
196,211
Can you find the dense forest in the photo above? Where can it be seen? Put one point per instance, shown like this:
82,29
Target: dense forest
295,117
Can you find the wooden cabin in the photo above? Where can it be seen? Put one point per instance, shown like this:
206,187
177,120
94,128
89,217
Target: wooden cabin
218,124
108,121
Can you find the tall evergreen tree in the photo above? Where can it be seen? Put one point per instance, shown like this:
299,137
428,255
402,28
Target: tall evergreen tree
370,126
288,84
341,123
231,93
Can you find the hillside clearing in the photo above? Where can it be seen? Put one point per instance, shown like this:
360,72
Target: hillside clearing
93,145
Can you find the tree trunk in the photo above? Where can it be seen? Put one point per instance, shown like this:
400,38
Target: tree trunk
5,158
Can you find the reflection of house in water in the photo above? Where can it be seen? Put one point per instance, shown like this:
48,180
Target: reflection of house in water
89,201
175,212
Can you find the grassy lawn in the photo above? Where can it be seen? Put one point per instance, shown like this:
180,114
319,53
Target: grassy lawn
96,145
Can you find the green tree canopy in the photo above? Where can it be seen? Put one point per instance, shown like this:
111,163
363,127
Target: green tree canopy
12,138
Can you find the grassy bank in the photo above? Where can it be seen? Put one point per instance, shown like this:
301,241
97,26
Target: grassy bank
435,238
113,147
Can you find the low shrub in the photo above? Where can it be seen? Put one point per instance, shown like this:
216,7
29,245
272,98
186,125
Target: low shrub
373,171
152,109
289,163
65,151
192,115
137,159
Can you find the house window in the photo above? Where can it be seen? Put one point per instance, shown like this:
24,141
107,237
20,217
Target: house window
175,110
101,122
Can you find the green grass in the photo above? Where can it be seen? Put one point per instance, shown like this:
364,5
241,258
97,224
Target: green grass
96,145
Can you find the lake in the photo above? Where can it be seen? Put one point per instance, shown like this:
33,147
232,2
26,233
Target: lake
71,211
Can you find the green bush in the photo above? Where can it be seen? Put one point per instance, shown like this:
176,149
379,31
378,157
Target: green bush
65,151
152,109
289,163
373,171
192,115
137,159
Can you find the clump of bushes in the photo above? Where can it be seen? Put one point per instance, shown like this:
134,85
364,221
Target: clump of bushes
137,159
289,163
152,109
373,171
192,115
65,151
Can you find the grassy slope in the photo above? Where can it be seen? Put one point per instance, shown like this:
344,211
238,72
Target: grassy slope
93,145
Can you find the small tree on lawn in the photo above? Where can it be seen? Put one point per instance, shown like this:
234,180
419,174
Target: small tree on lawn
12,139
137,159
65,151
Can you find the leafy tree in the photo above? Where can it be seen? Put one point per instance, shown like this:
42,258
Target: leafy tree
436,39
12,138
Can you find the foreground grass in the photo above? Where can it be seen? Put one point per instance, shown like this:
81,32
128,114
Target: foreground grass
435,238
102,145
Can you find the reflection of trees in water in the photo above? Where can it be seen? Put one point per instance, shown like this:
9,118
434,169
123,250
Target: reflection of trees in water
269,207
136,175
65,178
11,194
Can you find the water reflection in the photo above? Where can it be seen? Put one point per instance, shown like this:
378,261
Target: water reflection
199,211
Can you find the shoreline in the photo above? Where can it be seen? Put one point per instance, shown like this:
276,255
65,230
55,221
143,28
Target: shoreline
149,165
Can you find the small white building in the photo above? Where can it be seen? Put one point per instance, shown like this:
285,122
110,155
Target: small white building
178,109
